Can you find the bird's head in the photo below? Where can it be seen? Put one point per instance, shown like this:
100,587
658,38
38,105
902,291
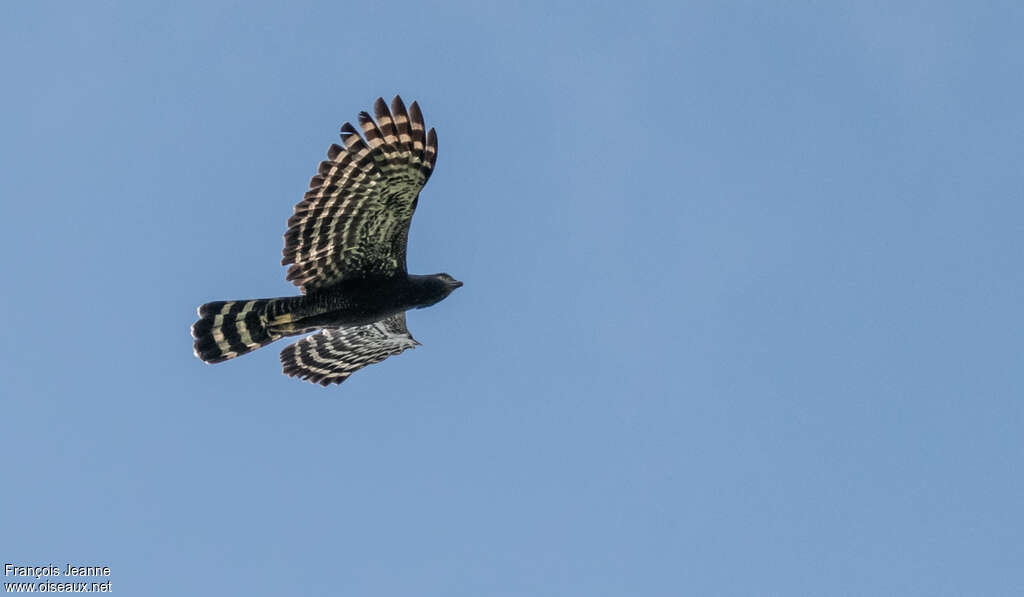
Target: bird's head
450,283
434,288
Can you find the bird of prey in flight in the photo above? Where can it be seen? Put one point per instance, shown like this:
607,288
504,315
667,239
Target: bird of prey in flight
346,246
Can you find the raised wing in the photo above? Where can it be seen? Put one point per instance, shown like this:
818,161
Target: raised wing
331,355
354,220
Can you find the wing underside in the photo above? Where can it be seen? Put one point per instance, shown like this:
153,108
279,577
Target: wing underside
331,355
354,220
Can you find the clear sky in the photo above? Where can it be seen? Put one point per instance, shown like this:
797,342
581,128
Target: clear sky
742,310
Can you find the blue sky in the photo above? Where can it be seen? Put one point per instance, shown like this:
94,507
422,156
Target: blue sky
742,312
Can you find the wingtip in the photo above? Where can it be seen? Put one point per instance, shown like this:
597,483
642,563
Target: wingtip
397,105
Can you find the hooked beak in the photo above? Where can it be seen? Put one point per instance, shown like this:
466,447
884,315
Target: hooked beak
456,284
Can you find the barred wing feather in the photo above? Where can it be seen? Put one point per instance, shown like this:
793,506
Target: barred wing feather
332,355
354,220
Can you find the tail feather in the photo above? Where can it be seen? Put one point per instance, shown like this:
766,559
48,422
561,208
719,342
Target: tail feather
227,329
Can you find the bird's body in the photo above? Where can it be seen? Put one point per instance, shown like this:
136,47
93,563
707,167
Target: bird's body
362,301
346,244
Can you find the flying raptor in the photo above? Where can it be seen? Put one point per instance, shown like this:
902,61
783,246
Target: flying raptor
346,246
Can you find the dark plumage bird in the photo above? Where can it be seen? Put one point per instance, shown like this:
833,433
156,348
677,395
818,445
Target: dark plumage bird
346,246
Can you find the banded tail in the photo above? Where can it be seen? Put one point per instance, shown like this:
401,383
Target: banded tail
227,329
